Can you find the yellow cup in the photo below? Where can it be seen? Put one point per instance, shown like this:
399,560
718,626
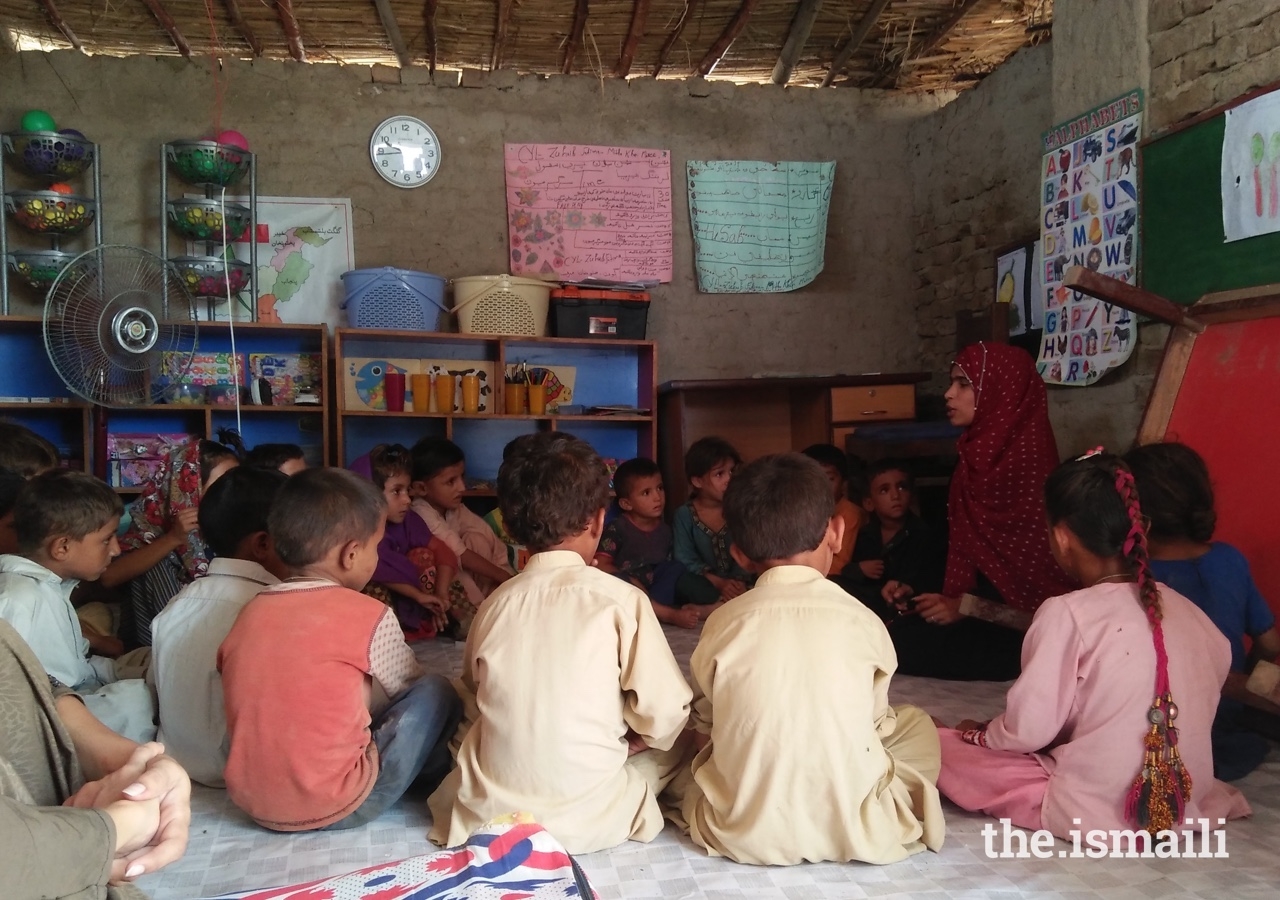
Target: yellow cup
446,385
537,399
421,387
516,395
471,393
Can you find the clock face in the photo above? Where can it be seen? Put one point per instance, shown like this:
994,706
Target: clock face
405,151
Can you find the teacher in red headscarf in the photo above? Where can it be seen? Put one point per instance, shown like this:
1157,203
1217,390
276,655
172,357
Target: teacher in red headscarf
999,568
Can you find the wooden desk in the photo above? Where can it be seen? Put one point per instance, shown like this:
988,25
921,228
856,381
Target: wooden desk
773,415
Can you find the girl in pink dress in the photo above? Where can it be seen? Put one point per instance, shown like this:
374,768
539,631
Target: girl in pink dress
1091,737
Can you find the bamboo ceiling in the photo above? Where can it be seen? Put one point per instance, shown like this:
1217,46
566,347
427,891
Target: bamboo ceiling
905,45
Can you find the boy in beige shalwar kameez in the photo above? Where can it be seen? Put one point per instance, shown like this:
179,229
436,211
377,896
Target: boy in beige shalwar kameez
575,706
801,756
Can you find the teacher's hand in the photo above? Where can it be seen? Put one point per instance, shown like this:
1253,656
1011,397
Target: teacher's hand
937,609
896,594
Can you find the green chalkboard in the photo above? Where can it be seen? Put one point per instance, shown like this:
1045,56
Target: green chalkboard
1183,253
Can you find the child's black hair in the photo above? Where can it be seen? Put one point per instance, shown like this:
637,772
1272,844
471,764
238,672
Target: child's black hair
10,483
1177,495
778,506
25,452
62,502
387,461
829,455
273,456
319,509
550,488
237,505
213,453
706,453
432,455
1096,498
889,464
631,471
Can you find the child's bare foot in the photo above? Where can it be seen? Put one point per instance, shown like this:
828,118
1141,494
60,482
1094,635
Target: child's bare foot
708,609
684,617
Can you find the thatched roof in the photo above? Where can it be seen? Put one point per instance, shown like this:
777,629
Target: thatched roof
907,45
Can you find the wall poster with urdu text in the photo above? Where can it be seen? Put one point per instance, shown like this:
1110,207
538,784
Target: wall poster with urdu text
1089,217
577,212
758,227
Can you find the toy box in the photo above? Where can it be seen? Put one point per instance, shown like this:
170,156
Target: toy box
287,373
134,458
205,369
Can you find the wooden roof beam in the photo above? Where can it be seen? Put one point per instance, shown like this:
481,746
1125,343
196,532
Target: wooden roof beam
429,17
392,28
293,34
797,37
639,13
931,42
237,19
500,34
170,27
672,37
860,32
575,35
56,20
726,39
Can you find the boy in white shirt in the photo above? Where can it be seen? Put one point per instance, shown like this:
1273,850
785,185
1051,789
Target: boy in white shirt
186,635
65,524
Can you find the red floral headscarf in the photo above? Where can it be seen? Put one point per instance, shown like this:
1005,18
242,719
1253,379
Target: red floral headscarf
996,506
175,487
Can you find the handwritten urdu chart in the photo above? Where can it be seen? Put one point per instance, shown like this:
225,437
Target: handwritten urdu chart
577,212
758,227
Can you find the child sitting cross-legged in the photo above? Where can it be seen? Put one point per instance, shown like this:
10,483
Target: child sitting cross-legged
1177,497
800,755
65,524
415,568
439,467
637,545
574,701
330,717
1083,744
187,633
702,538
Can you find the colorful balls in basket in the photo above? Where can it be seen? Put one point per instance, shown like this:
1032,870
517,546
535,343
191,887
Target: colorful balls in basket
48,212
208,162
232,138
202,220
207,276
49,154
38,268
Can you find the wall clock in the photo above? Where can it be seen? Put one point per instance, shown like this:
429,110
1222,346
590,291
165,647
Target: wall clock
405,151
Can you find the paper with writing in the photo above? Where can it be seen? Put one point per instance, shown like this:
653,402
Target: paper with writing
758,227
576,212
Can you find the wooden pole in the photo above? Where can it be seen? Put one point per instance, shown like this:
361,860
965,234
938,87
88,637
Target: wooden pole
1134,299
797,37
575,35
237,19
927,46
639,13
56,20
392,28
429,15
289,22
726,39
672,37
860,32
170,26
500,34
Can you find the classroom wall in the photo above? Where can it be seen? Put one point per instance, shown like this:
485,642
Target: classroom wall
1206,52
310,125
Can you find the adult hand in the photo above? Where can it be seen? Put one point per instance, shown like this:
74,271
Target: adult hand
185,522
872,568
136,823
148,775
938,610
896,594
732,588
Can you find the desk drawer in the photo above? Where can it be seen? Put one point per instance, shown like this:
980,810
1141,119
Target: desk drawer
872,404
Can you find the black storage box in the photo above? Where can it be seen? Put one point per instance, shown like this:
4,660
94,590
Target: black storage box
578,313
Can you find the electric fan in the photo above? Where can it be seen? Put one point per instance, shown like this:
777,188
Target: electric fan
119,326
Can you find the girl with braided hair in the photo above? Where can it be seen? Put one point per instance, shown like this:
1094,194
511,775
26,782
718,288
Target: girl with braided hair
1091,736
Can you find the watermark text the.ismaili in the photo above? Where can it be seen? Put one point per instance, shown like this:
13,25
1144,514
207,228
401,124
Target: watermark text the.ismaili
1199,840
